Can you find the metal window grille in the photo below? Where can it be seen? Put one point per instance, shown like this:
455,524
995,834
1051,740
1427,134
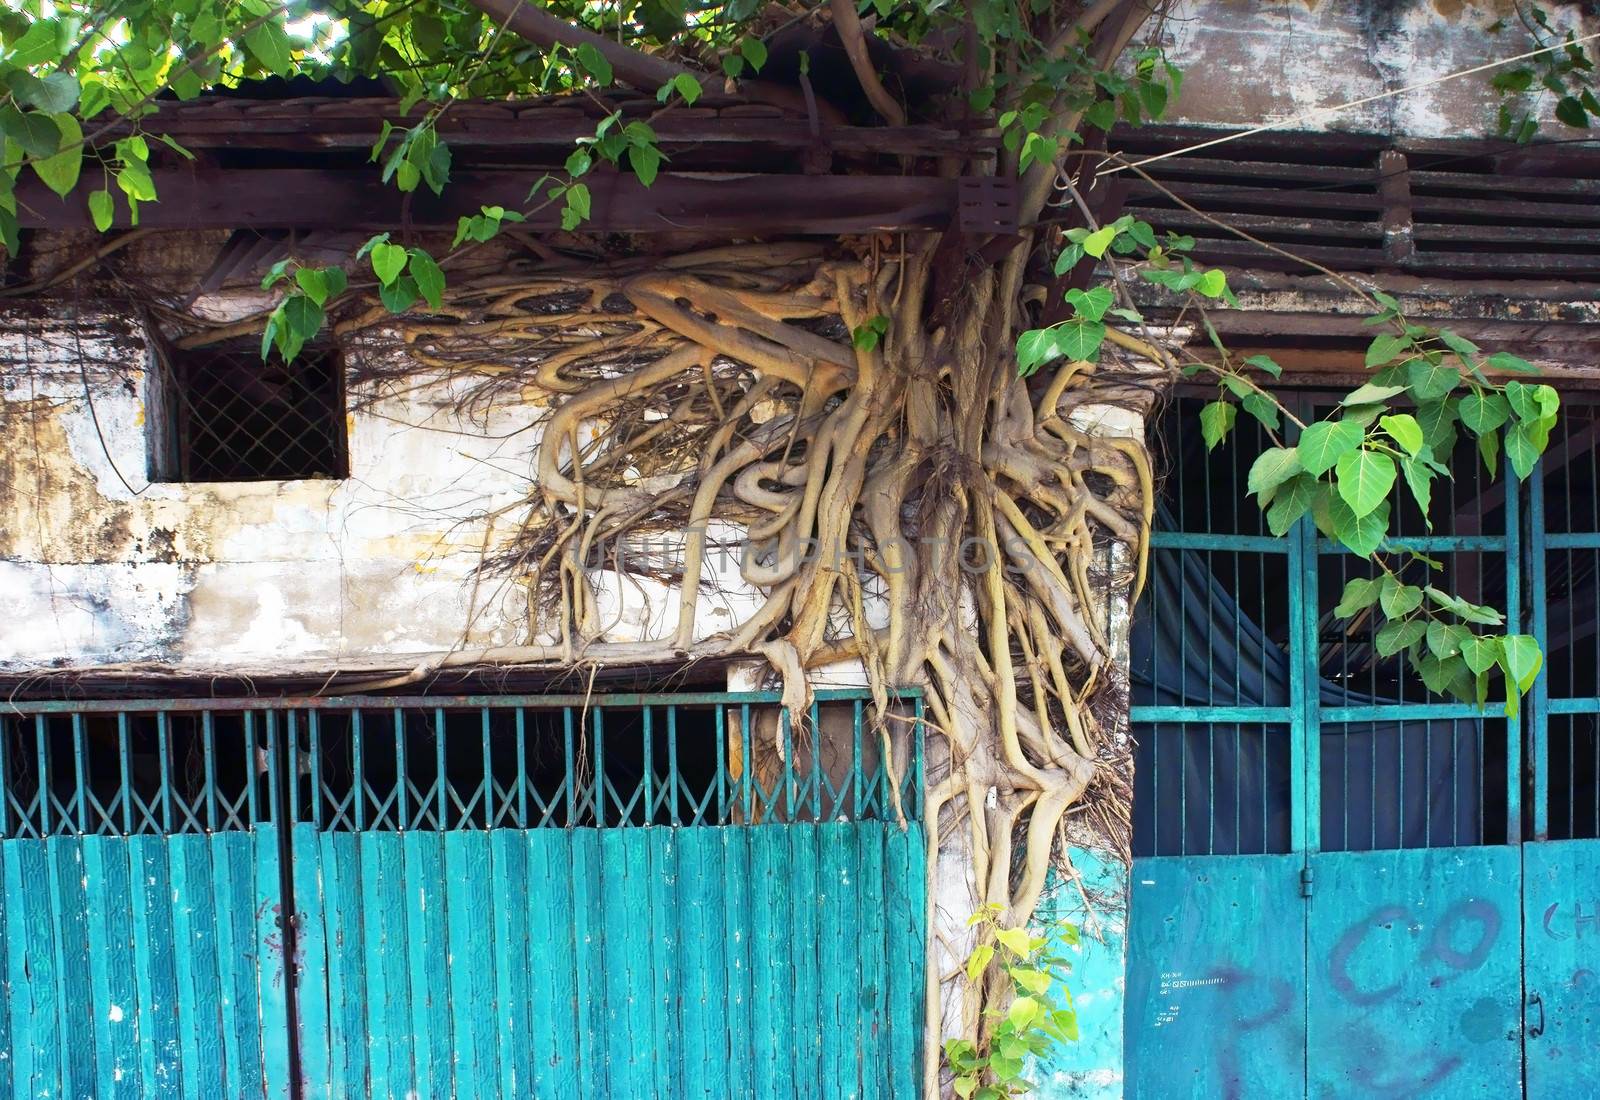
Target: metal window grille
227,415
1266,723
522,762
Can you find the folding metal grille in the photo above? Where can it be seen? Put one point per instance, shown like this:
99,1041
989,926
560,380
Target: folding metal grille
233,417
177,767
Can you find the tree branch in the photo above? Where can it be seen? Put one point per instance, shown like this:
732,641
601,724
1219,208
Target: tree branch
855,46
635,68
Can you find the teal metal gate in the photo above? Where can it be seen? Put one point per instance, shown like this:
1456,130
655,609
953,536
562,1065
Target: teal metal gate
1328,899
618,896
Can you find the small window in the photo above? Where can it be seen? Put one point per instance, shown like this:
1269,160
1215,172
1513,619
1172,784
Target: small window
224,414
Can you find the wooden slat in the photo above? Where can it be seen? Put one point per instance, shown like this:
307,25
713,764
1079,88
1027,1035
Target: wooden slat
589,960
513,956
1263,225
805,937
1215,198
771,1007
741,959
347,970
236,900
124,1057
471,961
626,950
704,1001
382,901
271,969
69,900
427,953
555,929
905,877
871,928
154,939
666,1050
838,995
312,994
195,965
31,969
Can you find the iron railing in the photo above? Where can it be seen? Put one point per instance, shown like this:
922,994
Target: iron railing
114,767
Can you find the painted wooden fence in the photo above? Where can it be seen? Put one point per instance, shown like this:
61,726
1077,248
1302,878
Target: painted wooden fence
176,919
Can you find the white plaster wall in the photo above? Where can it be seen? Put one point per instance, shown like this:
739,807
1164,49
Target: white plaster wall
1248,62
100,566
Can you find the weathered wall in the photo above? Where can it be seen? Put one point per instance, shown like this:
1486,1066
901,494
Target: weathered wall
1248,62
98,565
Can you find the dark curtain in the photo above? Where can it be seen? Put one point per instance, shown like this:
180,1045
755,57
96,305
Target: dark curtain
1225,788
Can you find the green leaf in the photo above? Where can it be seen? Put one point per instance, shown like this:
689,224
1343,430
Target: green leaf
1212,283
1359,594
1262,408
1015,940
1398,635
269,45
1430,381
1324,443
388,261
1371,392
1505,361
1521,450
1271,469
1418,478
979,960
1483,411
1465,349
1437,673
1290,503
428,277
1489,451
1090,304
754,51
311,281
1438,422
594,63
1480,653
1266,363
1361,534
54,94
1404,430
1216,420
1521,659
1022,1012
34,132
101,209
1445,639
400,295
1096,243
299,319
60,172
1570,111
1385,347
645,160
1398,599
687,86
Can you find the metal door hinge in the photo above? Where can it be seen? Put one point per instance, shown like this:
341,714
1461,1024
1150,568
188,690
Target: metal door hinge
1305,882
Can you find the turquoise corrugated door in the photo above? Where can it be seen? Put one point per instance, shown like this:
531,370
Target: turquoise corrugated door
141,948
477,917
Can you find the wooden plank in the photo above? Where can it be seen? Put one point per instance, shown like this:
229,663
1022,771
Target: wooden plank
800,957
272,971
469,906
1561,918
70,902
312,995
347,962
1212,1012
1215,198
662,937
154,939
702,1008
388,1035
513,955
1267,226
428,958
741,959
771,1009
555,1029
625,918
357,200
870,929
1416,984
906,882
836,965
589,960
116,1017
31,968
15,990
234,888
196,938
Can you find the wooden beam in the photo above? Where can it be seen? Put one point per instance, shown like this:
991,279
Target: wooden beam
355,199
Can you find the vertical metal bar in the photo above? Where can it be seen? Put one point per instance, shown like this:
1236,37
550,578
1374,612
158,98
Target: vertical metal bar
441,780
293,736
744,759
79,760
569,784
358,781
1539,697
163,747
272,765
816,762
314,732
722,765
522,769
919,747
599,767
1298,635
42,745
124,750
402,774
1512,727
649,768
488,785
785,726
208,748
856,764
5,776
672,762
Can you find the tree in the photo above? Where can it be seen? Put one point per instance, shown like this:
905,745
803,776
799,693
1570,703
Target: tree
940,427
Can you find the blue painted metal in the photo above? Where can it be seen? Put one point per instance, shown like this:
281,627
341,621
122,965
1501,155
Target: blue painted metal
1415,983
1223,1012
1561,922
